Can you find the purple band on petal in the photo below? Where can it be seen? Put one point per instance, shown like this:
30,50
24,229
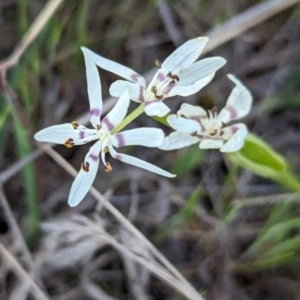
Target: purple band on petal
232,111
141,95
120,138
168,89
95,112
94,157
118,156
135,77
108,124
161,77
81,134
234,129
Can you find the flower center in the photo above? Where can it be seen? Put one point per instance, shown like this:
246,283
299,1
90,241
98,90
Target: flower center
102,133
160,84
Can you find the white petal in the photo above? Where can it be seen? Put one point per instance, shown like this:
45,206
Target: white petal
192,111
94,88
177,140
237,140
184,125
238,104
139,163
118,112
148,137
184,56
136,91
58,134
210,143
84,179
191,89
115,68
156,108
201,69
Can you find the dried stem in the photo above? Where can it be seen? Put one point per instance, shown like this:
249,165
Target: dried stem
131,228
15,228
240,23
34,30
36,291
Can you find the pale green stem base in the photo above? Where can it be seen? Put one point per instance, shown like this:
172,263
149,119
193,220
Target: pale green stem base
132,116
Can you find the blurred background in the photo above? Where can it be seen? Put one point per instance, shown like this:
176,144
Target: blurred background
232,233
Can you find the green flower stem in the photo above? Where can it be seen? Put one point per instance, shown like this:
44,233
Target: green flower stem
132,116
290,181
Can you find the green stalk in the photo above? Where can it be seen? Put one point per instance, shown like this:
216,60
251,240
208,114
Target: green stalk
132,116
290,181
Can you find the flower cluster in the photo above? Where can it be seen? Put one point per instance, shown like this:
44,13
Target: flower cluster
180,74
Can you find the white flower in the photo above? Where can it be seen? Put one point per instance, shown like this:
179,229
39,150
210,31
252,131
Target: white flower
208,127
75,134
179,75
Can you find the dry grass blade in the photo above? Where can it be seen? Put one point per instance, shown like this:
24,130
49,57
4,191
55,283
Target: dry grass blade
244,21
36,291
149,264
170,24
17,166
15,228
65,165
34,30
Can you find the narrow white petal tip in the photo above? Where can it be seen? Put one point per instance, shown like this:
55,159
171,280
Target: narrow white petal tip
203,38
222,60
73,203
37,137
236,81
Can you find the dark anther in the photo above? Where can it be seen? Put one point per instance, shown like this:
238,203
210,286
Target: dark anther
174,77
221,132
75,125
154,91
213,132
69,143
85,167
213,110
195,134
98,127
108,167
223,124
157,63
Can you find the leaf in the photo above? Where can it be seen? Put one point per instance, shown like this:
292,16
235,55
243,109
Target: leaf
261,159
184,215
